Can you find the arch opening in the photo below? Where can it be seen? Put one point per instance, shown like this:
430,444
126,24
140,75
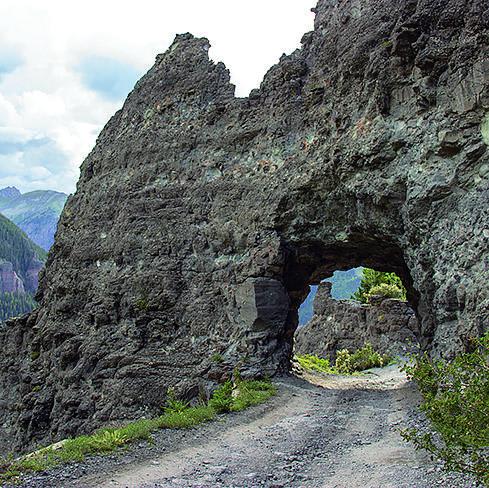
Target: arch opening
349,324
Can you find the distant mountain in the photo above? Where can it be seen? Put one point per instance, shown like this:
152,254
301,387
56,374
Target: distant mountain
345,283
8,194
20,263
36,213
20,259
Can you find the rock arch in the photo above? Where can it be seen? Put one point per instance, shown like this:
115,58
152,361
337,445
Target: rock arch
199,218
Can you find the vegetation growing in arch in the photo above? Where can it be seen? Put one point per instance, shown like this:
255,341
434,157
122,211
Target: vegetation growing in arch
345,363
379,283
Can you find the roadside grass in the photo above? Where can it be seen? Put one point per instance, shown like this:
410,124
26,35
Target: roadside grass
311,362
229,397
346,363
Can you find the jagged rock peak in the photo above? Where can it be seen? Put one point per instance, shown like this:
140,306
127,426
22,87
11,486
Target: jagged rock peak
9,192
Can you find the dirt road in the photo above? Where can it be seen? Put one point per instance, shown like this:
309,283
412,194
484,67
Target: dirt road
336,433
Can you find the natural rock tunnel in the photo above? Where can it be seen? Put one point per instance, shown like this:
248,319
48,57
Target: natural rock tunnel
200,218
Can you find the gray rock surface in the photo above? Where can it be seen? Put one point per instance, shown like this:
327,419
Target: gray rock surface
389,325
368,146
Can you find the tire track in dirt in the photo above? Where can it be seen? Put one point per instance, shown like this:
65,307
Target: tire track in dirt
340,433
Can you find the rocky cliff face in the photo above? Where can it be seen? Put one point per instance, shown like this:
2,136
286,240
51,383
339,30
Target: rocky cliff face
389,325
200,219
9,279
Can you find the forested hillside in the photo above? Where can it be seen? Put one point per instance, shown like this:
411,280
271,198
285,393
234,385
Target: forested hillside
36,213
17,248
20,263
15,304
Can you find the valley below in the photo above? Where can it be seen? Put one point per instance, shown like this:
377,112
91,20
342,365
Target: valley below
319,431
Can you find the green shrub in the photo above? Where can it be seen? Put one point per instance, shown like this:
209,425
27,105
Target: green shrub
387,291
366,358
456,403
222,399
217,358
244,394
343,361
312,362
142,304
372,278
252,393
35,355
173,404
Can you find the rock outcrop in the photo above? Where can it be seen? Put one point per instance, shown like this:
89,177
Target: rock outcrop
200,219
389,325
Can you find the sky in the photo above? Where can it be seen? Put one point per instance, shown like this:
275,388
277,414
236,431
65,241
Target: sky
66,67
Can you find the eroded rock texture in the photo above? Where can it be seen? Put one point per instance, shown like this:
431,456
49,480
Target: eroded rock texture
200,219
389,325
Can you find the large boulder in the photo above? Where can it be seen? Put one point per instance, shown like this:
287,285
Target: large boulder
200,219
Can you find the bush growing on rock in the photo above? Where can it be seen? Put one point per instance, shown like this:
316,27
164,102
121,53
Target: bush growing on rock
343,361
373,284
386,291
222,399
456,403
242,394
173,404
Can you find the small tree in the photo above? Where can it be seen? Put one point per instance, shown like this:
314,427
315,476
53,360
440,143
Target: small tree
456,402
372,280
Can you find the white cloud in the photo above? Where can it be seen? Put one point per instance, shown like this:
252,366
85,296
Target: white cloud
44,96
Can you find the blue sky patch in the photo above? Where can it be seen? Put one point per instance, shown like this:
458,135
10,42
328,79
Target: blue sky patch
9,61
109,77
11,147
37,152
